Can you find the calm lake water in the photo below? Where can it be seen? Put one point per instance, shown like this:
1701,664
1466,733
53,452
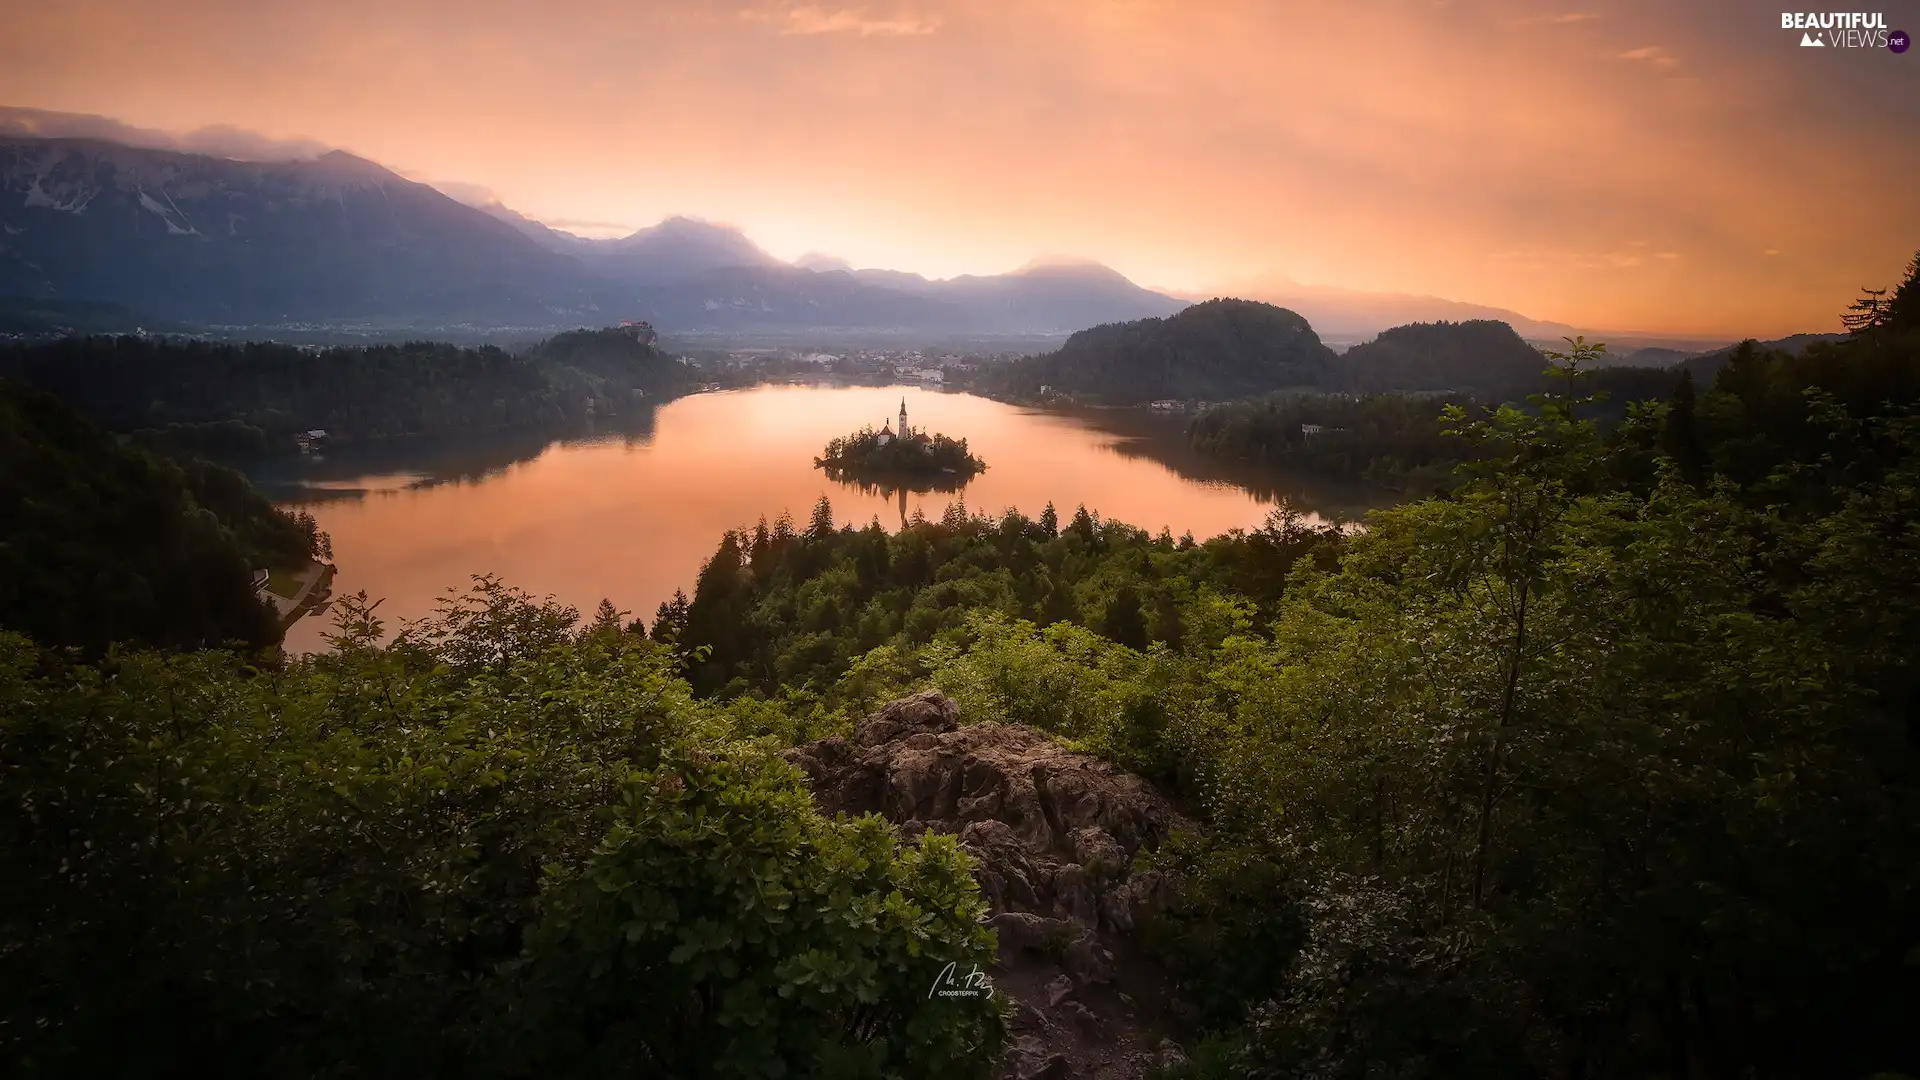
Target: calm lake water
630,514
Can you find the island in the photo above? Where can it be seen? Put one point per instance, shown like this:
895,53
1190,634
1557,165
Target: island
907,460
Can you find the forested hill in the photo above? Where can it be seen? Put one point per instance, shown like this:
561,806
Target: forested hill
1480,357
104,542
254,397
1606,765
1219,349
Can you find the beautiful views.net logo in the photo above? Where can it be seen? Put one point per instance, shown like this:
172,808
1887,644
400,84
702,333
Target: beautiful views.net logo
1844,30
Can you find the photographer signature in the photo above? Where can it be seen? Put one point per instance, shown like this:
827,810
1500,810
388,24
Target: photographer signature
952,984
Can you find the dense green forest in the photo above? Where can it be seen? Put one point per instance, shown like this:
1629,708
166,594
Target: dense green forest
238,400
1219,349
503,846
105,542
1401,442
869,456
1604,763
1395,441
1228,349
1478,358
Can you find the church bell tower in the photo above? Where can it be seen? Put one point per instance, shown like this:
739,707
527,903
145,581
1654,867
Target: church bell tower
903,418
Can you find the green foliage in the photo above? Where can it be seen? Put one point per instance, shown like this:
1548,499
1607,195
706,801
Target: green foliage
1479,357
104,542
869,456
1394,441
210,398
493,848
780,610
1603,764
1218,349
763,937
1587,781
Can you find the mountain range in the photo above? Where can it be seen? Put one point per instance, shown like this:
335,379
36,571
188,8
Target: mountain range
226,228
337,239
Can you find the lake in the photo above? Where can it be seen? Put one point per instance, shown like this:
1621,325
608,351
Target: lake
631,513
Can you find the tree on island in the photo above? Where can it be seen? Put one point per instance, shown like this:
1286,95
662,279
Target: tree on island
910,456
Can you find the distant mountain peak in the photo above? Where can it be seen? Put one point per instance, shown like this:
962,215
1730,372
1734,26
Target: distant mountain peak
682,244
822,263
1069,266
342,165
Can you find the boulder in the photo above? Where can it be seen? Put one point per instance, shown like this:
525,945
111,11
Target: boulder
1054,835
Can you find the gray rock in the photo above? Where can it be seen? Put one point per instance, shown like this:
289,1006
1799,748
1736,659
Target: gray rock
1053,835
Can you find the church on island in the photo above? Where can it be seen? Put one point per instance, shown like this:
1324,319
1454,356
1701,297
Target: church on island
886,433
895,454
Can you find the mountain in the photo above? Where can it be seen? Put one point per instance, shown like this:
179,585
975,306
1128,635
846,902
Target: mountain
763,298
1043,297
1060,297
1479,356
547,237
22,316
674,250
1654,356
1218,349
215,240
1705,366
1353,313
329,240
822,263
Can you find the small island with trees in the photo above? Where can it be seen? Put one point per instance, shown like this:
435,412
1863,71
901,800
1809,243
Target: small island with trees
908,459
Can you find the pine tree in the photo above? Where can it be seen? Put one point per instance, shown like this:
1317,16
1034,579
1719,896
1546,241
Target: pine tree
1083,523
1050,521
1123,621
820,527
607,619
670,621
1680,435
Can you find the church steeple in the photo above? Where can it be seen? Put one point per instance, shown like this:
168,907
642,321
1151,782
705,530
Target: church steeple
903,418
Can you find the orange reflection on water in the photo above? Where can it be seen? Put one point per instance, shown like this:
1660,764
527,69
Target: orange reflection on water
632,520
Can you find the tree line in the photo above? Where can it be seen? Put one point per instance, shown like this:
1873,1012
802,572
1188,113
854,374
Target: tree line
239,401
1605,762
106,542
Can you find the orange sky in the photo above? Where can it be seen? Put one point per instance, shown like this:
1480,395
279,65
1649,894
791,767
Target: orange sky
1677,167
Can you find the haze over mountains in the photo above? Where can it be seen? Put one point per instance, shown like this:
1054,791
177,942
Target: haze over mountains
338,239
224,228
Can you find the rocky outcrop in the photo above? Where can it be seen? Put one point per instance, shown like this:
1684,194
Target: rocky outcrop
1056,835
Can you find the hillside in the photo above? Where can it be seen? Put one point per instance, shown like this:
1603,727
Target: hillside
105,542
335,241
1481,356
212,394
1219,349
202,239
1604,766
1704,366
22,316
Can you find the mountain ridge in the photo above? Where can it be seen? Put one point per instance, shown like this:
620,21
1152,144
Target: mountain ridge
334,238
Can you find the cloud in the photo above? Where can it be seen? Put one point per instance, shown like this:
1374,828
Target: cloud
1561,20
810,19
217,140
1666,254
477,195
588,224
1656,55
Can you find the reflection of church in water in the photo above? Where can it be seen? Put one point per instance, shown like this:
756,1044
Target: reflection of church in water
886,436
